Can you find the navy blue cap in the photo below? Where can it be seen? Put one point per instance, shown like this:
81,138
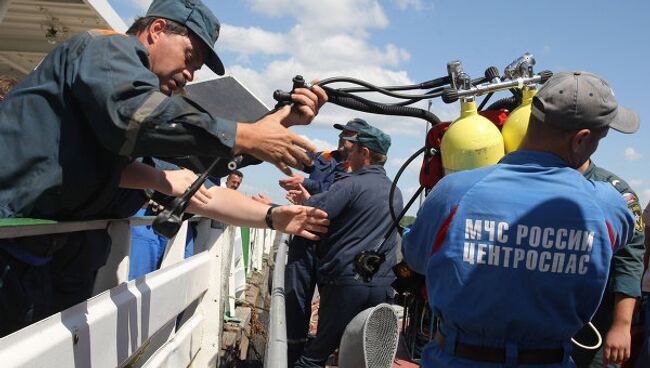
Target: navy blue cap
354,125
372,138
194,15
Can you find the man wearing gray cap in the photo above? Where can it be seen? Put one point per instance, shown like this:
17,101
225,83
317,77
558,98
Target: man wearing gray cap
516,255
95,103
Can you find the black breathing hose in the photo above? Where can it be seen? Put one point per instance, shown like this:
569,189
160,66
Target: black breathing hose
509,103
388,91
393,187
362,104
438,82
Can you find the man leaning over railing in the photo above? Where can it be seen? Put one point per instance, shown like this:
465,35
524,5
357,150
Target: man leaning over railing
96,102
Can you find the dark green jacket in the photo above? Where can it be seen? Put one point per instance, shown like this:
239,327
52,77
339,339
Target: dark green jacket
91,107
627,264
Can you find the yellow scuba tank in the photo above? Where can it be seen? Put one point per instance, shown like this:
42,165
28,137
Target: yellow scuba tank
472,141
515,126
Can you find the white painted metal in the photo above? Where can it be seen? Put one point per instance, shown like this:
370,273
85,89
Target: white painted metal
104,10
181,349
139,316
53,227
116,269
175,250
268,241
214,242
276,347
258,245
110,327
237,279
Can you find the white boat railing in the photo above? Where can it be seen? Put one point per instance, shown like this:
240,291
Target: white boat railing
172,317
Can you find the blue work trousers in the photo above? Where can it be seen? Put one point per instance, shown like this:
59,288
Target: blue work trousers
300,282
339,304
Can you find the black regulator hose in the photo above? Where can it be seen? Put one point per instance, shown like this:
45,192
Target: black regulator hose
373,88
509,104
438,82
361,104
393,187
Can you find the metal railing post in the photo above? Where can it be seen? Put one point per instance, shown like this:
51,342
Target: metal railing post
276,348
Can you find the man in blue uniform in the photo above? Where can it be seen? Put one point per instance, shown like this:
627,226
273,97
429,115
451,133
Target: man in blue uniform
300,269
359,220
516,255
96,102
329,165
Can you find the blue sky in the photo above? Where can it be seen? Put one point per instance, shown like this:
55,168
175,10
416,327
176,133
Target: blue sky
265,42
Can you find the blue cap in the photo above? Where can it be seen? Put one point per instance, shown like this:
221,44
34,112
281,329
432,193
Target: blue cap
373,139
354,125
194,15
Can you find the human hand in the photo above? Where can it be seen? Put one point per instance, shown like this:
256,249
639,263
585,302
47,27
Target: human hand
307,103
298,196
300,220
268,140
292,182
260,197
617,345
175,182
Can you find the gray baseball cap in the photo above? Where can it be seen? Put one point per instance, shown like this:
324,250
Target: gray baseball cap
582,100
194,15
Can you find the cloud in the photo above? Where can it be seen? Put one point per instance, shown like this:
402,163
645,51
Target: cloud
318,46
351,15
320,144
252,40
139,5
632,155
417,5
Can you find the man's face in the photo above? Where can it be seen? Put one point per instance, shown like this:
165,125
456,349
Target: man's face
233,182
174,58
358,156
345,146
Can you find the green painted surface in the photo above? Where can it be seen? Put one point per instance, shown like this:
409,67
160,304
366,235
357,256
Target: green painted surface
246,244
25,222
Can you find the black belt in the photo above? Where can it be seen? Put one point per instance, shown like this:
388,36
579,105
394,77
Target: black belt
498,355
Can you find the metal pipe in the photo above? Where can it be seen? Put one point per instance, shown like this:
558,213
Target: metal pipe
276,347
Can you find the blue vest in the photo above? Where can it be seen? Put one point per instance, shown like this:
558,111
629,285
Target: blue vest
516,254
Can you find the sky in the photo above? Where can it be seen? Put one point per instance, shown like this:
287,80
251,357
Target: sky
264,43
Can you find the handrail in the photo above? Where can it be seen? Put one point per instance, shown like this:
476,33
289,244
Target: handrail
137,321
20,227
276,348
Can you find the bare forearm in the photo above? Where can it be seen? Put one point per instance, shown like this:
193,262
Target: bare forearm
232,207
623,310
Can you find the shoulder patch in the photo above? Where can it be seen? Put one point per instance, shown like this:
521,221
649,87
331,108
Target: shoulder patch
615,182
633,204
629,198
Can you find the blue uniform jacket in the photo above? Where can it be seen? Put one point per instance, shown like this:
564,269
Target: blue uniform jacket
69,127
516,254
359,220
327,168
